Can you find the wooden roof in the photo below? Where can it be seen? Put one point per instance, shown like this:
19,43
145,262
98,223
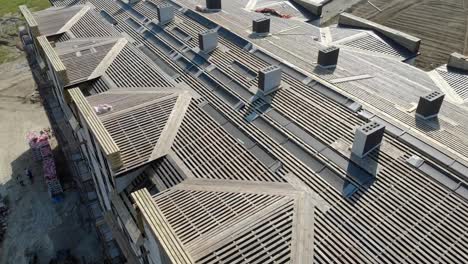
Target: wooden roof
233,221
55,20
379,209
143,123
87,59
96,127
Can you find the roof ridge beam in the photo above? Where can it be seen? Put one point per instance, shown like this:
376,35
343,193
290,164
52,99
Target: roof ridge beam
268,188
74,19
174,121
108,59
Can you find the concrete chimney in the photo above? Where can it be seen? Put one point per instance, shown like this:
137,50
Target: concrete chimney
213,4
328,56
269,79
208,40
367,138
261,26
429,105
165,13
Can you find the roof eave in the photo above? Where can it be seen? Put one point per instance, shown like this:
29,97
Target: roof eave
107,143
160,227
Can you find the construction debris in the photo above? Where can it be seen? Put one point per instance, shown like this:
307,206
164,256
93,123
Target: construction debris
40,147
37,142
272,12
102,109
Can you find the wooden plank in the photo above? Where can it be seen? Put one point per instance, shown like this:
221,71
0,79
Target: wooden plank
30,20
272,188
304,225
53,58
172,126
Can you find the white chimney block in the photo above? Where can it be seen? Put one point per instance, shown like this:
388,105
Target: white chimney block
165,13
269,78
367,138
208,40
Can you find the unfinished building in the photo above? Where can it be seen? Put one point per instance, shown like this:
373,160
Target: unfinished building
209,144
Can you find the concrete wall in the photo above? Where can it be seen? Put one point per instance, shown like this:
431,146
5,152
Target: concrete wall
458,61
405,40
315,7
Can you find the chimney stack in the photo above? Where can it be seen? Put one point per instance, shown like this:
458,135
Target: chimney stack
208,40
269,79
367,138
261,26
328,56
165,13
429,105
213,5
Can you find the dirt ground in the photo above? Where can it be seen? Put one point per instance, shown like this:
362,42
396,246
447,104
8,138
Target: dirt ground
35,223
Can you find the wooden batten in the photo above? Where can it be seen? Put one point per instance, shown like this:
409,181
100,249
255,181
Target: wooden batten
53,58
30,20
107,143
160,228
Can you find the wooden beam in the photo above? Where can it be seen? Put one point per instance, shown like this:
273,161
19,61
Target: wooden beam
57,65
173,123
30,20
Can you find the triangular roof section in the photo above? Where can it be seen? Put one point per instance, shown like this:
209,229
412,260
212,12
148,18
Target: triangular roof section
81,60
224,219
87,59
55,20
142,123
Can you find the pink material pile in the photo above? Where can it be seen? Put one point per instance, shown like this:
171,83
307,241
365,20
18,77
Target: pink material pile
37,141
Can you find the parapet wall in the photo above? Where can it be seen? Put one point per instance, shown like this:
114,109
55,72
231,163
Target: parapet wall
405,40
458,61
315,7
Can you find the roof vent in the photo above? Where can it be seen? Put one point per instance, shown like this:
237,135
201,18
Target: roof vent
367,138
213,4
269,79
328,57
165,13
429,105
208,40
261,26
458,61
